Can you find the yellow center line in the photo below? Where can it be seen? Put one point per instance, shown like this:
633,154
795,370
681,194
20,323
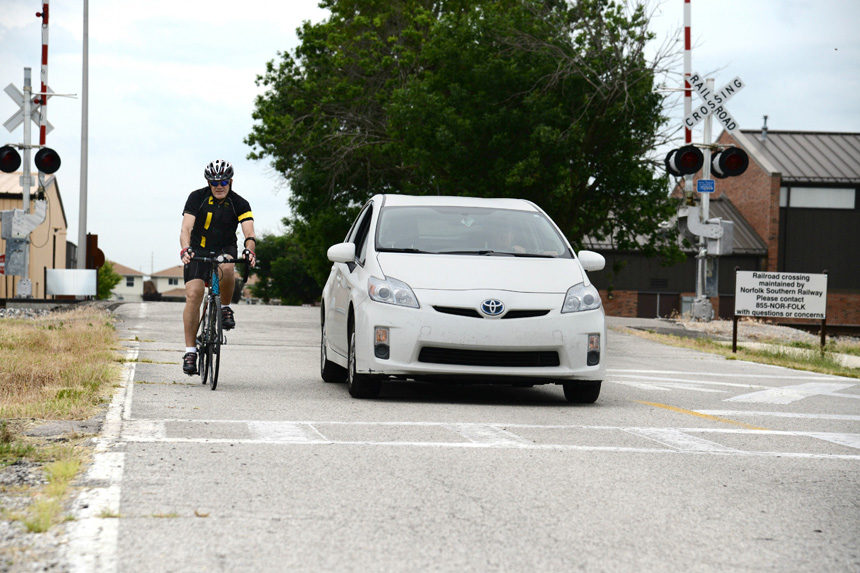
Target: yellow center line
698,415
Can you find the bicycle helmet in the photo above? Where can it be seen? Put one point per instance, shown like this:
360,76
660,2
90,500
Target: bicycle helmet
218,170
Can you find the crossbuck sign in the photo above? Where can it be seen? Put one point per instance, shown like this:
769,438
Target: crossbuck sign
715,103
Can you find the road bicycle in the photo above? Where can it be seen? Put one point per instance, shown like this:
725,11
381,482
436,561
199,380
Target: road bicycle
210,334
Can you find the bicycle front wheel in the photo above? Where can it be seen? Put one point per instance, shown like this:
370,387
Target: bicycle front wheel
215,343
203,361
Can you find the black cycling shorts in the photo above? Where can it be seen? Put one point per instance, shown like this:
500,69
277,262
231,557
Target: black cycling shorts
200,270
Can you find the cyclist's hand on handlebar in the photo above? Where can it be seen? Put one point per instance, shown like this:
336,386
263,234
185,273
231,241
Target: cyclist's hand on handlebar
186,255
249,256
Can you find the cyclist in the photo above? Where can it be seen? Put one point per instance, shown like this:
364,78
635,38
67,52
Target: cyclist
209,221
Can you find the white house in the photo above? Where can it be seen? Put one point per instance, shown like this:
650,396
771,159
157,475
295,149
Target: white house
169,282
131,286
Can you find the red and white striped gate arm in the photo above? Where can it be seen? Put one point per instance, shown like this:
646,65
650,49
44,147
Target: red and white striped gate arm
688,70
43,111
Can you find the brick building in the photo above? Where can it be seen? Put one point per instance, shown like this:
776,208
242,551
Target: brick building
795,209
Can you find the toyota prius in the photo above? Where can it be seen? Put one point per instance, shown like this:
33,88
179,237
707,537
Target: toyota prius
461,289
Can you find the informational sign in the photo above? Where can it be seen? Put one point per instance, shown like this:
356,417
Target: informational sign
705,186
787,295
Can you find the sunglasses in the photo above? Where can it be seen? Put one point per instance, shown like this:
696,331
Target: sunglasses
222,183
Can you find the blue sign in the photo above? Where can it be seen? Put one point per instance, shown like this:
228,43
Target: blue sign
705,186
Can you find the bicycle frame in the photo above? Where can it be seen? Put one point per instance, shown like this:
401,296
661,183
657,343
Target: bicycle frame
210,336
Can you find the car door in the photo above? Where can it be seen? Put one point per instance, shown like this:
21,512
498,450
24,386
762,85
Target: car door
346,279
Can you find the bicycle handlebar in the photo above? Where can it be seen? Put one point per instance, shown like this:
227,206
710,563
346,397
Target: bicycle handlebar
223,258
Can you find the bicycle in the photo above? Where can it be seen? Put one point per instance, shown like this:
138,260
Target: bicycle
210,335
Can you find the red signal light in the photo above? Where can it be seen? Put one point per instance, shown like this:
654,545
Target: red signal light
47,160
729,162
684,161
10,159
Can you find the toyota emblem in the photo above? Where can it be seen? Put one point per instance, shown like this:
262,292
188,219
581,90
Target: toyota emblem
492,307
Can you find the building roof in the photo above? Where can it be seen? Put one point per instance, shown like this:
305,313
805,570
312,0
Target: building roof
10,186
176,271
807,156
745,239
124,270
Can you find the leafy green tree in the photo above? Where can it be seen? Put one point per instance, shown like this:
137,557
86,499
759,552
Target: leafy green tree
106,279
542,99
282,271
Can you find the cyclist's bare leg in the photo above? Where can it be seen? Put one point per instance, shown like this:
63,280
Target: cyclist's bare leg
227,282
191,314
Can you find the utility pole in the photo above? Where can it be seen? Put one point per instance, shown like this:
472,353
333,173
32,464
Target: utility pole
82,211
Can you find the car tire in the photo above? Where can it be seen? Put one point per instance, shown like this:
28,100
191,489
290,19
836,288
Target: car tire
360,385
329,371
582,392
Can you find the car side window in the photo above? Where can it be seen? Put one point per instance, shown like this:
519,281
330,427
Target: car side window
362,231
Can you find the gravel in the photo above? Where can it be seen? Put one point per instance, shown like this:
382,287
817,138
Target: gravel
20,550
23,312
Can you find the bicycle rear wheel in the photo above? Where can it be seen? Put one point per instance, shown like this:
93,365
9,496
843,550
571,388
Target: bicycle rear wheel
203,361
215,343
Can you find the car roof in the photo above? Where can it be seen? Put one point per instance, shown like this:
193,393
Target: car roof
456,201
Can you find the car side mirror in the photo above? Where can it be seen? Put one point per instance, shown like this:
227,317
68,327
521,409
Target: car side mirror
341,253
591,261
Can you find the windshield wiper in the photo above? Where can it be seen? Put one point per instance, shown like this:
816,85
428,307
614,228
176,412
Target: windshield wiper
479,252
400,250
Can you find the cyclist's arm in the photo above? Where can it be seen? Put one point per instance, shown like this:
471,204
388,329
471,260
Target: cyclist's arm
248,231
185,235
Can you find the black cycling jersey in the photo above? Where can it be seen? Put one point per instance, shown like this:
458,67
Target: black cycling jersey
216,221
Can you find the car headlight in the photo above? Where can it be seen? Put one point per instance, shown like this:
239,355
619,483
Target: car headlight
580,297
391,291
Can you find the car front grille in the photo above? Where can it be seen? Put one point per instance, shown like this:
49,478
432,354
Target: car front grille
472,313
508,358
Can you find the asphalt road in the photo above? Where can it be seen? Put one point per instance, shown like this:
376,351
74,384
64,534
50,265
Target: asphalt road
687,462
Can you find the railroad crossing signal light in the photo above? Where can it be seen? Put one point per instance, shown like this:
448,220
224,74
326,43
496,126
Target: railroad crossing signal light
10,159
47,160
684,161
729,162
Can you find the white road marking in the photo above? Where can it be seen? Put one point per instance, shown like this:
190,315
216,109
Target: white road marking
850,440
737,413
94,534
679,440
493,435
286,432
782,375
789,394
691,381
665,386
489,435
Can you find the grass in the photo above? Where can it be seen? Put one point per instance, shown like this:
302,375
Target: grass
57,366
779,354
48,505
60,366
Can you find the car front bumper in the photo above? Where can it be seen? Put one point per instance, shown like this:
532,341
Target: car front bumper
492,339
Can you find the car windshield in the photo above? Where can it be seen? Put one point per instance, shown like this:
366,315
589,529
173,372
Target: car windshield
468,231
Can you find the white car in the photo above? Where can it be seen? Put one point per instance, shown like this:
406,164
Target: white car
461,289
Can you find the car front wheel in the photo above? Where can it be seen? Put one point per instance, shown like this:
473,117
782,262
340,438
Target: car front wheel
582,392
360,385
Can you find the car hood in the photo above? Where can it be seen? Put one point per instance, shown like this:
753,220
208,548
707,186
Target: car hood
465,272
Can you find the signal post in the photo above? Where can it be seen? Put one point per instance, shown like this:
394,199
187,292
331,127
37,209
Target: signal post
714,235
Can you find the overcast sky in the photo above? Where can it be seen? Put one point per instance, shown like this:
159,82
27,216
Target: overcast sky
171,87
